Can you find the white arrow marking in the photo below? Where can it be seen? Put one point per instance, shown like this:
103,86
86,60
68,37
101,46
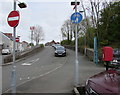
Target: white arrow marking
30,62
26,64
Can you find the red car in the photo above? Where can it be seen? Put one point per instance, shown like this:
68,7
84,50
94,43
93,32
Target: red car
104,83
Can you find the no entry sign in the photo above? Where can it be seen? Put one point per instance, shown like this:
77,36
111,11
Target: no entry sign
13,18
17,39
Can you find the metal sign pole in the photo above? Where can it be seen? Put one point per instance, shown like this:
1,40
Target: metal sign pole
13,76
95,51
32,37
76,52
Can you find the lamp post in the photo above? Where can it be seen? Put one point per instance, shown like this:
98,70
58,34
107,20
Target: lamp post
13,73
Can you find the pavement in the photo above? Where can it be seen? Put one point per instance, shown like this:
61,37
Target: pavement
44,73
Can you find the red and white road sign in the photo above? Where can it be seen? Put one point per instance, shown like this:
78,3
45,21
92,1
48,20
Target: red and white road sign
17,39
32,28
13,18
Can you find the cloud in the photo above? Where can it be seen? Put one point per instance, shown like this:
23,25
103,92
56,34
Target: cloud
50,14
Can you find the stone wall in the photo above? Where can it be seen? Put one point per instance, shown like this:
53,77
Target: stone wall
89,52
23,54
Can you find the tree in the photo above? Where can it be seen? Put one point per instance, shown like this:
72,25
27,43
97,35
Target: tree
67,30
31,44
109,25
38,34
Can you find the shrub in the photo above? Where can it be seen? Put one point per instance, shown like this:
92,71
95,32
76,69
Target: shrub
41,45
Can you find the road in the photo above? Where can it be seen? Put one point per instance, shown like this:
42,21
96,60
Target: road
44,73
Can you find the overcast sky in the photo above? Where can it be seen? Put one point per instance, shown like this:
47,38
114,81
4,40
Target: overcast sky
50,15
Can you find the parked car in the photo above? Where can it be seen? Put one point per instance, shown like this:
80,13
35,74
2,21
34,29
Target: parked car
6,51
60,51
116,57
104,83
56,45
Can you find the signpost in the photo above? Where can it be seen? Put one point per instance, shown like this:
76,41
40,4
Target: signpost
13,20
32,28
76,18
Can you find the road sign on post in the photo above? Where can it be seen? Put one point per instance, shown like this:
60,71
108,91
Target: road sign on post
76,17
13,18
32,28
17,39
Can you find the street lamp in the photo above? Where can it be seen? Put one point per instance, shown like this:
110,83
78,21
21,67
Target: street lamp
22,5
13,72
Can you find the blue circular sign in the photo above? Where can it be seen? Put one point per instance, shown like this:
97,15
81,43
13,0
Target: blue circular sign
76,17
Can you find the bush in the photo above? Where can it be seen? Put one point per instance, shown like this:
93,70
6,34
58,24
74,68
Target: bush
41,45
31,44
66,42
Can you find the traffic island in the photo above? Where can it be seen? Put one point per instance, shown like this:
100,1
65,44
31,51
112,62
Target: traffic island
79,90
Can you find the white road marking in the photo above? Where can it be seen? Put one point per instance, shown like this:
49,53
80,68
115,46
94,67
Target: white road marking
61,65
26,64
24,78
28,78
30,62
36,77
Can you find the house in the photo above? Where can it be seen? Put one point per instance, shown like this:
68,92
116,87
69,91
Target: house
9,35
50,43
5,42
23,45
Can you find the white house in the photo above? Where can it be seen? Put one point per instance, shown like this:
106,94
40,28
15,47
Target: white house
24,45
5,42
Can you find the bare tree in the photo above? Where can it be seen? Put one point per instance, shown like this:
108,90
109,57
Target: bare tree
38,34
66,30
